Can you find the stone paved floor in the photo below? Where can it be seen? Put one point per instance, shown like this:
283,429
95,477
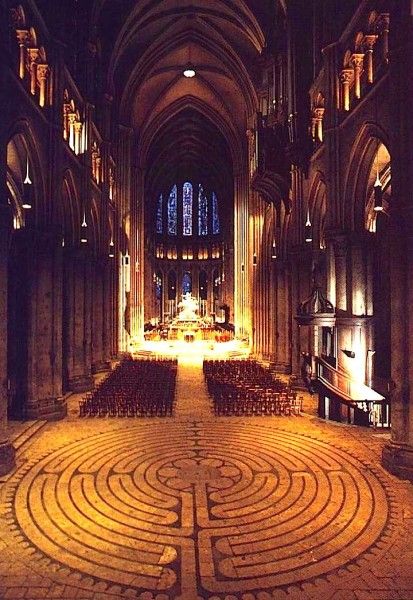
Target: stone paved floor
202,507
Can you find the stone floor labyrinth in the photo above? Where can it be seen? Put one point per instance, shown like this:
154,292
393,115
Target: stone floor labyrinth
194,510
198,507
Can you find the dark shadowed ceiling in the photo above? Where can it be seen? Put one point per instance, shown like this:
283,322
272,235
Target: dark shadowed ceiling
185,127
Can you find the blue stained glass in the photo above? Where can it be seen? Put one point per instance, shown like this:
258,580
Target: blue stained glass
159,224
172,212
187,283
158,287
215,217
202,212
187,208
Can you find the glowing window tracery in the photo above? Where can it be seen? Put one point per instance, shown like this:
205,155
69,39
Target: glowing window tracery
202,212
172,211
159,223
187,208
215,216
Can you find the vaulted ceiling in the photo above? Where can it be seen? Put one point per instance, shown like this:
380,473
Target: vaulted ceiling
185,123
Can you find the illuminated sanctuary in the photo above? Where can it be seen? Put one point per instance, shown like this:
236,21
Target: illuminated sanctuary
206,292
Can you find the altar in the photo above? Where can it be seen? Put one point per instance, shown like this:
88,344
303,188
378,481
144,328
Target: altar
188,326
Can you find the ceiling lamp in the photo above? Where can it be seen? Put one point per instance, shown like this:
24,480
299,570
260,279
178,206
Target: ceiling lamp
378,188
83,230
27,202
308,229
378,195
189,72
111,249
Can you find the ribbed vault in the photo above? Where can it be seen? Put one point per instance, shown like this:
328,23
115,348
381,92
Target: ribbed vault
152,41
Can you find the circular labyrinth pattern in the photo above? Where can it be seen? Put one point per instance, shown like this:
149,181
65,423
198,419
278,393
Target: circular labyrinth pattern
220,507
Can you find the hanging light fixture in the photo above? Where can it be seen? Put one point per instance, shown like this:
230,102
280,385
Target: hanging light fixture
378,196
189,70
111,248
83,230
274,250
378,188
27,183
308,229
27,180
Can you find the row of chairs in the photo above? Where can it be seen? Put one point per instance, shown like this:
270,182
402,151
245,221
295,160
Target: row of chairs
136,388
246,388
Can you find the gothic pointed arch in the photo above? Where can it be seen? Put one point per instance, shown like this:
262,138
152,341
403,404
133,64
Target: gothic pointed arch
70,216
23,154
358,178
318,208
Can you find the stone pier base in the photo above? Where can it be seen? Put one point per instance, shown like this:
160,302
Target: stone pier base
7,457
398,459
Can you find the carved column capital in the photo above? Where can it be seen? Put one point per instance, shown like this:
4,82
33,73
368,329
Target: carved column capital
319,113
23,36
33,55
43,71
346,76
369,41
357,60
384,22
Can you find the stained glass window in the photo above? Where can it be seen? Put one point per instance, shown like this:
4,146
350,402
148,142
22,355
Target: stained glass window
202,212
172,214
215,217
187,283
187,208
158,286
159,225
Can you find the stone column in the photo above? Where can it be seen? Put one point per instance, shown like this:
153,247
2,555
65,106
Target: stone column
45,396
43,73
357,62
7,453
369,41
6,448
345,78
34,55
23,39
398,453
385,24
79,330
340,259
300,262
319,116
98,362
283,318
109,308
